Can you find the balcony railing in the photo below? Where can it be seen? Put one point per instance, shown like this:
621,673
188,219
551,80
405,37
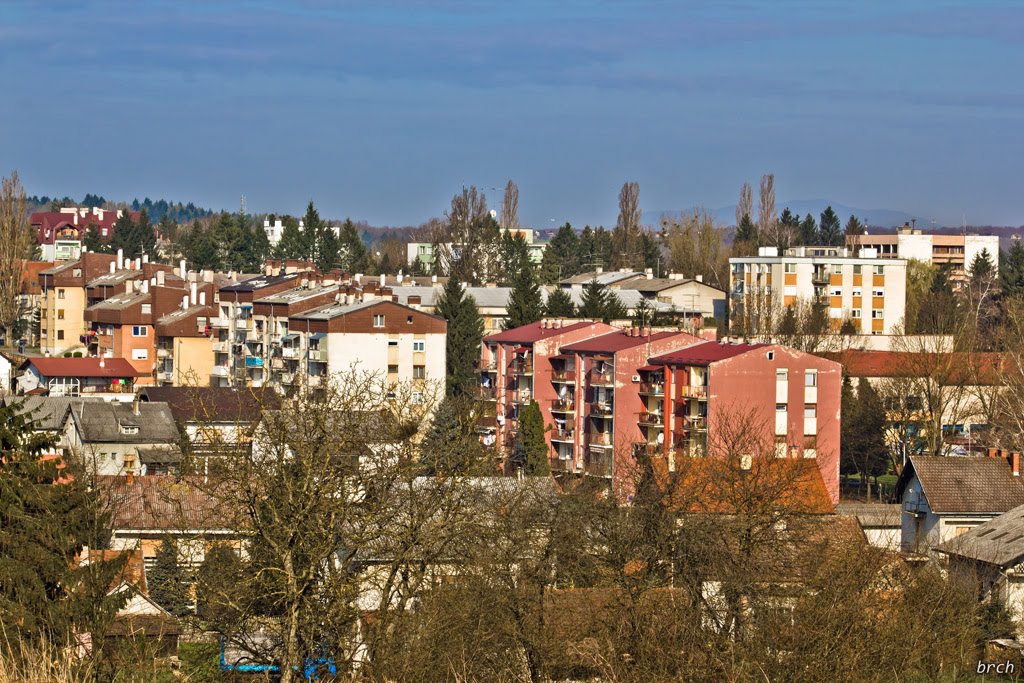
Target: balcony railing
598,464
563,405
563,465
489,366
220,371
487,393
520,367
694,391
602,379
287,378
220,323
599,439
563,376
165,376
221,347
652,389
522,397
290,352
162,352
695,423
563,435
651,419
242,323
602,409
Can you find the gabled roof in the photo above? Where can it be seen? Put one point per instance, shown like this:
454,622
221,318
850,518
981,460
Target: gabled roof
82,367
704,353
952,368
164,503
660,284
104,422
873,515
969,485
999,541
604,278
259,282
534,332
48,413
616,341
214,404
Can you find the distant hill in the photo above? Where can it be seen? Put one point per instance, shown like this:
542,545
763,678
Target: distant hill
874,217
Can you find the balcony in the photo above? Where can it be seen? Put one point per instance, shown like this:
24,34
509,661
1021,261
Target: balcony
563,435
602,409
287,378
563,377
647,419
598,464
698,391
602,379
695,423
221,346
487,393
489,367
602,440
163,352
522,397
291,352
318,355
521,367
220,371
563,405
820,277
242,323
563,465
649,449
220,323
165,376
652,389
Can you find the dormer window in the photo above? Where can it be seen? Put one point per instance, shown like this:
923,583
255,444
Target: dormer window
129,429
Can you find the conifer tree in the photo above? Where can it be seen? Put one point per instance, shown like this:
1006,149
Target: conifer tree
524,302
465,331
830,232
593,303
808,235
451,447
313,229
515,256
614,309
167,582
93,242
560,304
352,250
292,244
561,258
1011,269
530,448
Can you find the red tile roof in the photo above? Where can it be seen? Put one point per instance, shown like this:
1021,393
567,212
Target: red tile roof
617,341
527,334
704,354
83,367
47,223
962,368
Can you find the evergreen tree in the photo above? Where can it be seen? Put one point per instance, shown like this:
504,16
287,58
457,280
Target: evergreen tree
603,247
530,448
614,309
643,314
830,233
650,252
561,258
789,326
560,305
417,267
312,232
94,242
514,256
853,227
593,303
848,420
864,438
808,235
746,231
465,332
292,243
352,249
48,514
790,220
167,228
1011,269
167,582
981,267
586,251
451,446
134,238
524,302
848,327
201,249
329,253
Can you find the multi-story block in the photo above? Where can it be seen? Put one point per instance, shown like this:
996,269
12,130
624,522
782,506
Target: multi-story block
59,234
600,377
516,368
716,398
953,251
866,290
63,291
183,354
373,335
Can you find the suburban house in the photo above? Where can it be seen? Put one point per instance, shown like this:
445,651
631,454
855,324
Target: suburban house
945,497
992,555
880,522
112,379
702,399
690,297
114,438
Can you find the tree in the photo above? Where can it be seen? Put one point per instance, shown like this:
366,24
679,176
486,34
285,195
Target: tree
863,449
1011,269
745,206
452,446
313,228
352,249
510,207
614,309
854,228
530,449
594,300
168,585
746,240
559,304
465,332
292,243
93,242
468,246
133,238
48,515
808,234
515,256
626,239
768,224
830,232
525,305
329,252
561,258
696,248
16,246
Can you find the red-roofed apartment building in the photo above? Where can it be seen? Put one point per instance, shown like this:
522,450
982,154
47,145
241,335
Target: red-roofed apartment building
710,398
516,367
599,381
59,234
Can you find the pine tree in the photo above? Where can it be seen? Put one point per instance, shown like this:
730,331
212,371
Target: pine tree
561,258
465,332
329,252
746,231
643,314
808,235
524,302
847,428
515,256
560,304
530,448
1011,269
614,309
352,249
853,227
167,582
451,446
312,233
292,244
93,242
593,303
830,232
981,267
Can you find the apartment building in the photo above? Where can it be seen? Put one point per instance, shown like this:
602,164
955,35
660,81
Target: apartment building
367,334
715,399
868,291
59,234
63,301
516,368
599,377
953,251
183,352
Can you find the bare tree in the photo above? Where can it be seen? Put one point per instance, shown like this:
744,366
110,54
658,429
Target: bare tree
627,238
696,247
468,245
745,206
16,244
510,206
767,219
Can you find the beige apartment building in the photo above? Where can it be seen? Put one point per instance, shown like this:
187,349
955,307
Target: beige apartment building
866,290
954,251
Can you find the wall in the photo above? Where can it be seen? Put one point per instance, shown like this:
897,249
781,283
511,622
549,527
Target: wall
73,325
193,360
973,244
125,343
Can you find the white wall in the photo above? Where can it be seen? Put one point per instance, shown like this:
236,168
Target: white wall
973,244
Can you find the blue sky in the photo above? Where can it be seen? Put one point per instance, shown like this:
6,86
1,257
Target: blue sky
381,110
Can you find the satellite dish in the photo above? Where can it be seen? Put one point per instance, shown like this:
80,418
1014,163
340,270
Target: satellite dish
494,214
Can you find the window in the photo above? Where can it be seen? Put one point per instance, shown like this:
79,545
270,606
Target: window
810,412
811,378
418,346
771,355
837,269
789,290
104,232
140,354
378,320
60,293
790,267
780,407
139,331
855,313
877,292
129,429
60,335
781,375
392,369
837,291
877,314
392,343
60,314
147,309
877,270
419,372
408,320
857,269
857,291
417,398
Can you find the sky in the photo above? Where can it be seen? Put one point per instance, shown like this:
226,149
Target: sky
382,110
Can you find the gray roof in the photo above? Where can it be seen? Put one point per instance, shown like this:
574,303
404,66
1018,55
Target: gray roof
497,297
115,278
630,298
975,484
872,515
331,311
102,422
660,284
604,278
48,413
295,294
999,541
120,301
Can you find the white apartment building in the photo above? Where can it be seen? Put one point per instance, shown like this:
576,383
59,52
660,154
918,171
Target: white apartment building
867,290
955,251
275,229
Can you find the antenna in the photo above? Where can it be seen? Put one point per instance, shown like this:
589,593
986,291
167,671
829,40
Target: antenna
241,207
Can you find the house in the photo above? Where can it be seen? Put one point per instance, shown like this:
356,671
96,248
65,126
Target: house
687,399
991,555
60,234
7,369
110,378
516,368
942,498
689,297
602,277
880,522
114,438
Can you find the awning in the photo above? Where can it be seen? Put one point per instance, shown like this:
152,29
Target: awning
245,305
521,349
650,368
153,455
289,337
317,336
562,356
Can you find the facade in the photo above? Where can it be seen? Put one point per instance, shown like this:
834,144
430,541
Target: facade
868,291
944,497
109,378
183,349
63,292
516,368
59,234
698,401
114,438
690,297
953,251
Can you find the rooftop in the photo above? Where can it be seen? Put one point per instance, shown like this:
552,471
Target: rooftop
332,311
213,404
618,341
534,332
603,277
290,296
259,282
102,421
999,541
82,367
972,484
954,367
704,353
659,284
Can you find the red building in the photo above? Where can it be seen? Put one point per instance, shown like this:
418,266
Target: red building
597,383
516,367
715,397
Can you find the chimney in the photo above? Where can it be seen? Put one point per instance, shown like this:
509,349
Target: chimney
649,272
699,278
76,218
145,286
192,293
145,258
433,279
128,286
130,477
135,406
113,267
202,298
160,275
184,303
181,267
1015,463
383,280
599,270
103,363
120,258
